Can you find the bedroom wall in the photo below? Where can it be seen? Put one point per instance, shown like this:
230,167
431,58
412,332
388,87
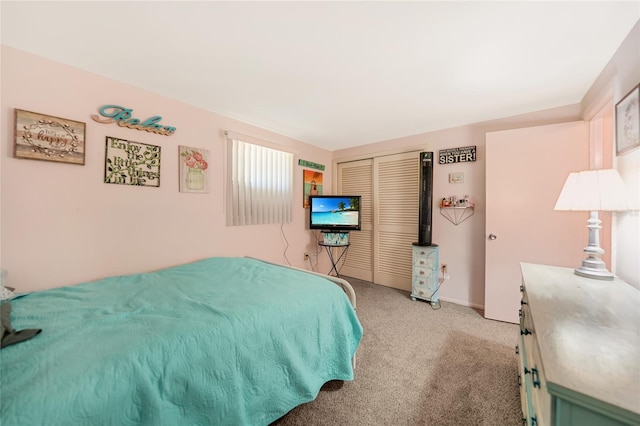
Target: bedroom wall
619,76
60,224
461,247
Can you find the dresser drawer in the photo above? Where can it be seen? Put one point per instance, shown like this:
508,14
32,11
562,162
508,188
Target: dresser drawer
539,393
425,258
423,285
524,403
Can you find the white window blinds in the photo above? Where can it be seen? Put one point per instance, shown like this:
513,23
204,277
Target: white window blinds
260,184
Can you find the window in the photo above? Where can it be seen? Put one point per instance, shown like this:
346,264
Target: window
260,185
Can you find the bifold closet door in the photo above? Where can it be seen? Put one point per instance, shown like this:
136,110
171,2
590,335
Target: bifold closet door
396,184
356,178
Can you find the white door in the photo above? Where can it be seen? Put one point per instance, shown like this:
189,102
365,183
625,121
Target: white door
525,171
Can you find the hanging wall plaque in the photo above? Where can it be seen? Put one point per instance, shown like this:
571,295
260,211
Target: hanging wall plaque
131,163
44,137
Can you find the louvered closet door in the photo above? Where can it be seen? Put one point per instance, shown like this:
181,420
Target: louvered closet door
396,193
355,178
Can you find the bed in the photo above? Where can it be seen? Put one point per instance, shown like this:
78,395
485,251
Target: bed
220,341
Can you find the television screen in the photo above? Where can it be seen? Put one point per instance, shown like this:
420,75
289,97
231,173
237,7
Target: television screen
334,212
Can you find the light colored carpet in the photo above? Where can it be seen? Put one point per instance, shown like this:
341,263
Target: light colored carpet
420,366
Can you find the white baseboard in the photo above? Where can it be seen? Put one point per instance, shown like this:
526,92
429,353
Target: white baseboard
462,302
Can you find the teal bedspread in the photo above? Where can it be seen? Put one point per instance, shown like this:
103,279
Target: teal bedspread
221,341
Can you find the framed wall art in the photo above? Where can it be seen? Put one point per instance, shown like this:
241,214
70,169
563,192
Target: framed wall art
194,174
312,185
628,122
49,138
131,163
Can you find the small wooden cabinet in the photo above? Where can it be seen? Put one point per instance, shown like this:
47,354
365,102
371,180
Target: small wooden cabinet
424,281
578,349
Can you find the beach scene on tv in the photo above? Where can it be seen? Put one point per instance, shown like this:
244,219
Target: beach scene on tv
335,211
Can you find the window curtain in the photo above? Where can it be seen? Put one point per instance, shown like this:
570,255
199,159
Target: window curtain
260,184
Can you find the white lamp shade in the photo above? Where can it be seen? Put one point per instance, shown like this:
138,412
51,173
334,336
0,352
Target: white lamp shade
594,190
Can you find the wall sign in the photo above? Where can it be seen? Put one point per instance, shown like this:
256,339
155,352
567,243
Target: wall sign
123,117
457,155
44,137
131,163
310,164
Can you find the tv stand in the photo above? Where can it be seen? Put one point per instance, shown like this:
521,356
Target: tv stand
335,261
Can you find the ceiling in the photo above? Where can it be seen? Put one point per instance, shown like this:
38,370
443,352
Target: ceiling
336,74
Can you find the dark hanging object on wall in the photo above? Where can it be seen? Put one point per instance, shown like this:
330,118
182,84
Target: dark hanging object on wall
426,199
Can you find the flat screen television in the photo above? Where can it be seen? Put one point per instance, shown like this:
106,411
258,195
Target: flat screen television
334,212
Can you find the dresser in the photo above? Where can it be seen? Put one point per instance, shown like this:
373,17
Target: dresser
424,274
578,349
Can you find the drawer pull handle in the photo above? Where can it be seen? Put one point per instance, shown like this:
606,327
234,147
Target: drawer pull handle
534,378
526,370
524,421
519,313
521,288
525,332
534,421
517,350
519,380
522,302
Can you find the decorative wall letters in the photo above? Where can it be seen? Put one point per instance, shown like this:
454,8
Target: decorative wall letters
123,117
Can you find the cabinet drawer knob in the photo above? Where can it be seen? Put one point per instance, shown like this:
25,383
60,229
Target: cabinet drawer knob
522,302
521,288
525,332
517,350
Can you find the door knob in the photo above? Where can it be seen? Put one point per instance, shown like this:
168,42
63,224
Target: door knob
492,236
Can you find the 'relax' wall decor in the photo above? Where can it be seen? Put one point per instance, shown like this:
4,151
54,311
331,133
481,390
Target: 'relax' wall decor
44,137
131,163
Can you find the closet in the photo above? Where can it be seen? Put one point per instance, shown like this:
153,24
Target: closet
389,186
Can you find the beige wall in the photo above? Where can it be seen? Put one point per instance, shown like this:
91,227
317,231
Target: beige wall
621,74
60,224
462,247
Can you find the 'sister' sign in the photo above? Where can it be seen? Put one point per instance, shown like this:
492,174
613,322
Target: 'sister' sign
457,155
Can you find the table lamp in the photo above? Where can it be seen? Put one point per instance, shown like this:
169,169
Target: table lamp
594,191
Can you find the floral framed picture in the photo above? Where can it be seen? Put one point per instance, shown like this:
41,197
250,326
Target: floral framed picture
49,138
628,122
312,185
194,169
131,163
